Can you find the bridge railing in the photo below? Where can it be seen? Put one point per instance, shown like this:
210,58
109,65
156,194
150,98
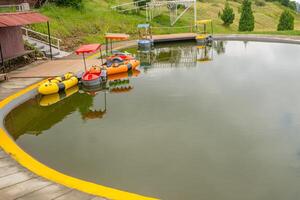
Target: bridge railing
125,7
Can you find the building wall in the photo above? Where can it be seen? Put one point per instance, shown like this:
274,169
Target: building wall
11,41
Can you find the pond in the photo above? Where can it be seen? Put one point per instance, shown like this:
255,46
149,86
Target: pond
194,122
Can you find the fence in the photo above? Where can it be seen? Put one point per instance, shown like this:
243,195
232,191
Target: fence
41,37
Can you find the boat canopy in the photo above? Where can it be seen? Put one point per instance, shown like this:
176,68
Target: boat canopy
204,21
88,48
116,36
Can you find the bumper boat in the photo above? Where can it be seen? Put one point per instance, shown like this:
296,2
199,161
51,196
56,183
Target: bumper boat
122,67
120,56
58,84
93,77
97,75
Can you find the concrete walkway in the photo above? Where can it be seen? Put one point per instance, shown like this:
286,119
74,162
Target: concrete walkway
17,182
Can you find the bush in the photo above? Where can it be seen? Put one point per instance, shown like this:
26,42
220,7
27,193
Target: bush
77,4
260,2
286,21
227,15
247,19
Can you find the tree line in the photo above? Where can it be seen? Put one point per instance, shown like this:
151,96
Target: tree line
247,21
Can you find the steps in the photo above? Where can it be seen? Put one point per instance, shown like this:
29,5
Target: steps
43,47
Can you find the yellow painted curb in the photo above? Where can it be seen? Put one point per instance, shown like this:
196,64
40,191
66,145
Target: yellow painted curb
10,147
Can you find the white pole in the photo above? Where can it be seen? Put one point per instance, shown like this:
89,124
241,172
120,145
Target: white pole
195,12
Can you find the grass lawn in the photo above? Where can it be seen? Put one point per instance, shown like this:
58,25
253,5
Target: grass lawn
97,18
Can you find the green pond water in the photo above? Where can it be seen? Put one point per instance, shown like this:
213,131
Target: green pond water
225,128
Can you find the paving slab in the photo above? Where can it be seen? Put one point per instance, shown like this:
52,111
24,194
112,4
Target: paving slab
13,179
8,170
47,193
74,195
3,154
20,189
6,162
98,198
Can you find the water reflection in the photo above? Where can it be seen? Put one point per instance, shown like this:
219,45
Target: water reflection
183,55
219,46
42,112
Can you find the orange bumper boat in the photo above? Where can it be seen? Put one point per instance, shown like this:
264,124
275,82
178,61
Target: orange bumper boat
124,67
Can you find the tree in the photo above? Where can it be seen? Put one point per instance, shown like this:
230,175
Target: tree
247,19
227,15
286,21
285,2
293,5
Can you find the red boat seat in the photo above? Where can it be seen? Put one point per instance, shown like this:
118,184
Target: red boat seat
89,76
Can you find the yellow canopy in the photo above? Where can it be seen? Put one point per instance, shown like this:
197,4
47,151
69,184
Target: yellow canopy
204,21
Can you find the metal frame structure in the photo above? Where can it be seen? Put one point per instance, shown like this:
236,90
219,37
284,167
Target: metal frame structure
130,6
154,8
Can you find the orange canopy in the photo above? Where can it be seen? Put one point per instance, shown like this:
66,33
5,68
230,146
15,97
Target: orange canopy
89,48
116,36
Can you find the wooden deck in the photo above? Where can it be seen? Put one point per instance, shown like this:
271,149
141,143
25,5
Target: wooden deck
174,37
18,183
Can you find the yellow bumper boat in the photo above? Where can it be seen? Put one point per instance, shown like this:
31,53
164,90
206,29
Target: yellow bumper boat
57,84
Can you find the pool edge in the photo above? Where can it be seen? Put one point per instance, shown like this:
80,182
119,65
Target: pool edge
25,160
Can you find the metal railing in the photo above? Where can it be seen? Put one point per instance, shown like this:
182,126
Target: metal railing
41,37
128,6
15,7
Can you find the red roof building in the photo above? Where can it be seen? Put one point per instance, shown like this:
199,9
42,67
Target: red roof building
11,37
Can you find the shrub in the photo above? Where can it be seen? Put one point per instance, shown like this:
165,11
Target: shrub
286,21
227,15
247,19
77,4
260,2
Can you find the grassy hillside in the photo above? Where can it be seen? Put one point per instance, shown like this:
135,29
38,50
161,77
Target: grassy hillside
97,18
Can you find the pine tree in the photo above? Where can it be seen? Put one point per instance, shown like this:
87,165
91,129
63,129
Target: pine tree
286,21
285,2
247,19
227,15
